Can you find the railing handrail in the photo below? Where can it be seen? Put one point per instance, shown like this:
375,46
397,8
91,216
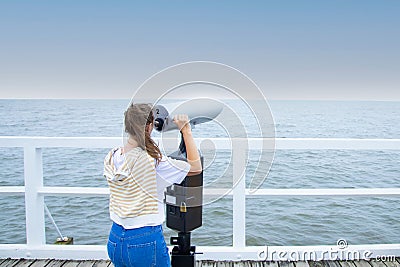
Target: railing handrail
220,143
275,192
34,189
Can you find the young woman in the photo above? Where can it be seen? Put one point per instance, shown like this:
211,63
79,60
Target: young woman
137,176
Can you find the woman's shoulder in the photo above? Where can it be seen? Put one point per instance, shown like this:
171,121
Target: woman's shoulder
135,152
139,156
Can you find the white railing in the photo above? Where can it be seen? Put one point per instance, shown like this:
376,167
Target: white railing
35,191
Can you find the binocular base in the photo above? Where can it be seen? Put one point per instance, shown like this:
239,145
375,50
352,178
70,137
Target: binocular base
178,260
183,254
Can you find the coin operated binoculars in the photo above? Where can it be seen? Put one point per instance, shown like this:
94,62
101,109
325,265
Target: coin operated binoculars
184,201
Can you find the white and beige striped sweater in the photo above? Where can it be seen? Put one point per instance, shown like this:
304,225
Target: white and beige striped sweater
133,186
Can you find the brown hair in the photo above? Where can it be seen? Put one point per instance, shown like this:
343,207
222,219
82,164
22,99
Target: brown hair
137,119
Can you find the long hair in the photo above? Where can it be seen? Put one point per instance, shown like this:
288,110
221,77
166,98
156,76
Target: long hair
137,119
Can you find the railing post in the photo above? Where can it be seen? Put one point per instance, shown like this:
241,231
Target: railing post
239,193
34,203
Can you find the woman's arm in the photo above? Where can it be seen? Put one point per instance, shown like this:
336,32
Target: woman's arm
193,158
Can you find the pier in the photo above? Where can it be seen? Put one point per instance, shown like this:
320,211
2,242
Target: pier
37,253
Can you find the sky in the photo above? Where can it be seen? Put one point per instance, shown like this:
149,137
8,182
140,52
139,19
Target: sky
292,49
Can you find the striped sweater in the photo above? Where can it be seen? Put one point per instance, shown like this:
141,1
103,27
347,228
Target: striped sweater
133,187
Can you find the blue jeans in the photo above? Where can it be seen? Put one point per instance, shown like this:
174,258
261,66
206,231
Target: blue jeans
140,247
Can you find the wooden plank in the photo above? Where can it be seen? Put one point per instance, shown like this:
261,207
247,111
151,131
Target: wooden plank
22,263
40,263
9,262
250,264
286,264
205,264
375,263
332,263
3,261
102,263
264,264
362,263
27,263
346,263
316,264
301,264
19,263
223,264
86,263
72,263
329,263
392,263
56,263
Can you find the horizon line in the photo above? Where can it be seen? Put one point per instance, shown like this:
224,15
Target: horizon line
268,99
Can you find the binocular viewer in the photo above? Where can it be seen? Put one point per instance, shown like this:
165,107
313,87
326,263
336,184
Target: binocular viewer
198,110
184,201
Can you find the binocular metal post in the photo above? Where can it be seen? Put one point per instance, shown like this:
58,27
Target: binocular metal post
183,254
184,213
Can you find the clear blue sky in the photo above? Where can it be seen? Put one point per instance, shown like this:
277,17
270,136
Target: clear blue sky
299,49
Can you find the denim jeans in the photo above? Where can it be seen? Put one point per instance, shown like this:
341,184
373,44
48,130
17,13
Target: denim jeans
141,247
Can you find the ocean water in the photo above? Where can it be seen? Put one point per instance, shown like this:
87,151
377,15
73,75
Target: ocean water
269,221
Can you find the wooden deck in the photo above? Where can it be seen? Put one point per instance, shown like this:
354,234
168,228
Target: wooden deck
103,263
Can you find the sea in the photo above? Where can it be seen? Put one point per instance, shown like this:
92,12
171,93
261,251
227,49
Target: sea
269,220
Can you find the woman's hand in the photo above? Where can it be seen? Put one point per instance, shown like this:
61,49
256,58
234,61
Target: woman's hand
182,121
192,154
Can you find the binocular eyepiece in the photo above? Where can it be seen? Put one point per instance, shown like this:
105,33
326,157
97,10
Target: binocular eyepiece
158,124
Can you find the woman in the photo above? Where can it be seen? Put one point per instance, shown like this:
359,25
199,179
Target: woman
137,176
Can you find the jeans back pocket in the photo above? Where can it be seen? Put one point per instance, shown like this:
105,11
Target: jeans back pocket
141,255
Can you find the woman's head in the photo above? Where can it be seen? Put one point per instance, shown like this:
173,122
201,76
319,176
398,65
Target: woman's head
139,124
